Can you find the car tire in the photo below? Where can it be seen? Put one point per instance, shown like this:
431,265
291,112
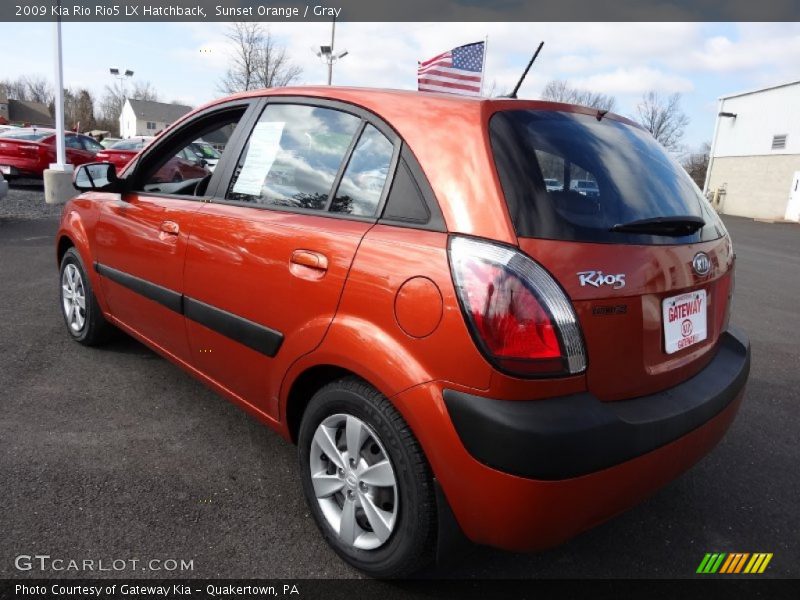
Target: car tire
86,325
410,544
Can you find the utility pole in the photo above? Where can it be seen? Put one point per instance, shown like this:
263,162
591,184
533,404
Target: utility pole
58,178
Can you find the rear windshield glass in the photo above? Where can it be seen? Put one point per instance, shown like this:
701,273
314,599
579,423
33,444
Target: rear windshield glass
568,176
28,136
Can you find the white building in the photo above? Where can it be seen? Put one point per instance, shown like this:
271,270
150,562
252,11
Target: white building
754,167
143,117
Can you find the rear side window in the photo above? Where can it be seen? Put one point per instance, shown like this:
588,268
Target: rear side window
360,190
293,156
568,176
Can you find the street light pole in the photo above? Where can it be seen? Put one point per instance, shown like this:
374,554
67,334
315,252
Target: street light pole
58,178
61,152
330,59
327,54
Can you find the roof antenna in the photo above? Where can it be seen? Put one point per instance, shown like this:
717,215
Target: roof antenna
525,74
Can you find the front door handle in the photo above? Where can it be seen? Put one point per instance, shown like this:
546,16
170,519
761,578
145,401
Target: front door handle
170,227
310,259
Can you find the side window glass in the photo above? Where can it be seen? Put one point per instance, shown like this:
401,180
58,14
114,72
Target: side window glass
362,183
293,156
72,141
90,145
179,165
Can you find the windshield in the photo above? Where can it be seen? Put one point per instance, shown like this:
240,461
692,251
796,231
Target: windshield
630,175
128,145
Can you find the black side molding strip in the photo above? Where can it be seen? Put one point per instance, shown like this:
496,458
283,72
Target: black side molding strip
569,436
255,336
164,296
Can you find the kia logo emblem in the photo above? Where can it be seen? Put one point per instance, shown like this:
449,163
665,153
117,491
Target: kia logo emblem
701,263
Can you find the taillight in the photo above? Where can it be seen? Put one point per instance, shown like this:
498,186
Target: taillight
520,317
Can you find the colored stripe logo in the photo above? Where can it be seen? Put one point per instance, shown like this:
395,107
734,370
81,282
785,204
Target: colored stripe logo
734,563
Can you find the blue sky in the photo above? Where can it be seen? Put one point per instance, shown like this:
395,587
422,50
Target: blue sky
184,61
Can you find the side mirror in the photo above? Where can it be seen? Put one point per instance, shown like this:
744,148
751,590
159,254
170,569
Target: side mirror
98,177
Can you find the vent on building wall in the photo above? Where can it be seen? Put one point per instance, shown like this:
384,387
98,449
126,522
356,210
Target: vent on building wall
779,142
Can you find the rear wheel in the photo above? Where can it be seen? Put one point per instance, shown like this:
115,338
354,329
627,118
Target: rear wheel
82,315
366,480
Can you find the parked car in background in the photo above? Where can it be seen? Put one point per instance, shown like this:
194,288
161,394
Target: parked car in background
553,185
109,141
585,187
3,187
28,152
7,128
121,152
453,355
207,152
186,164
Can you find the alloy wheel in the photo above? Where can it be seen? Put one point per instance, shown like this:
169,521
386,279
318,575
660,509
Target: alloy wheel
354,481
73,298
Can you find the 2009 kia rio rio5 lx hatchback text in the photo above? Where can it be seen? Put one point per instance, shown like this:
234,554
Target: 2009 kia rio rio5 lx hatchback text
455,345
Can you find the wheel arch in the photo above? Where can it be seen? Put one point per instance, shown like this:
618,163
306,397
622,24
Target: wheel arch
303,387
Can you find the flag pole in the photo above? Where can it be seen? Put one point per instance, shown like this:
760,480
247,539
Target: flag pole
483,67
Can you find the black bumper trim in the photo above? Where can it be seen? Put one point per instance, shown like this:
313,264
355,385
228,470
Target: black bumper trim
565,437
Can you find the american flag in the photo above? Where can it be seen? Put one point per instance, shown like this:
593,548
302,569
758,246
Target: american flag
457,71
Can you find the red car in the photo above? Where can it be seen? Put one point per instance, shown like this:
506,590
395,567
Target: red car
186,164
28,152
455,348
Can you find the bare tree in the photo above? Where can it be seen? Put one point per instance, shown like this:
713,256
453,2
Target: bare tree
39,90
274,68
696,164
114,99
558,90
663,118
257,60
32,89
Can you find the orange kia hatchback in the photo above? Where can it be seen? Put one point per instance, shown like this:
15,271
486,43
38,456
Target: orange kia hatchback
491,319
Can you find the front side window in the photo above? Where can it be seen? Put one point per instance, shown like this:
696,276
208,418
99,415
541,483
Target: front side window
91,145
360,190
293,156
72,141
172,166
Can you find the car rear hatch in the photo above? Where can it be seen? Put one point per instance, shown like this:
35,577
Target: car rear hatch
20,148
646,262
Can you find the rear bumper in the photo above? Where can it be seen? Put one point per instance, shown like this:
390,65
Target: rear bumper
522,513
559,438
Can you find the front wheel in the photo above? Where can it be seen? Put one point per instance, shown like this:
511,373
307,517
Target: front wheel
366,480
82,314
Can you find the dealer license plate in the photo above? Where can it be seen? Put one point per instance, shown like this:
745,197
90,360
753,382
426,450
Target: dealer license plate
5,169
685,320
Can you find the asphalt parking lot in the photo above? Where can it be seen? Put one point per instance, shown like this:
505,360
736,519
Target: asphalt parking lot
116,453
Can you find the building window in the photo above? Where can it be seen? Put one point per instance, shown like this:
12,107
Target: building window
779,142
151,125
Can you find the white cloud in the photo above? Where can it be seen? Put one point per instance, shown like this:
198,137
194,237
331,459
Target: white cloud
636,80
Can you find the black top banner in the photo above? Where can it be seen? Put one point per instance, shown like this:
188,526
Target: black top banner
398,10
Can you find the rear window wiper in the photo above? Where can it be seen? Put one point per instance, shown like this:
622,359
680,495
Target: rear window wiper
674,226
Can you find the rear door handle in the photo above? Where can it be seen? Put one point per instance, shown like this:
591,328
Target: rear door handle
170,227
310,259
